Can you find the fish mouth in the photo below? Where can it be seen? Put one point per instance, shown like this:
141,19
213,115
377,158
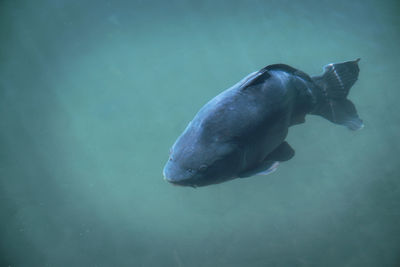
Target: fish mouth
180,183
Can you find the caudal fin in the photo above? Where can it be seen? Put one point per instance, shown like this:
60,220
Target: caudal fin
333,87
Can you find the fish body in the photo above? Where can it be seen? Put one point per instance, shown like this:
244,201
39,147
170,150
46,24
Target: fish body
241,132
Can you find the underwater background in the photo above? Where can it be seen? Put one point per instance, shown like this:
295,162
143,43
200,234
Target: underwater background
94,93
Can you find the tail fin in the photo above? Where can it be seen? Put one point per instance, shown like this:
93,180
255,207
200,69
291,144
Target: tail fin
333,86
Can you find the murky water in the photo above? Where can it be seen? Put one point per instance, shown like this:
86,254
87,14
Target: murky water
93,94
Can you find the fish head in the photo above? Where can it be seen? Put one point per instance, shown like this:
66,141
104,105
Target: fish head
197,161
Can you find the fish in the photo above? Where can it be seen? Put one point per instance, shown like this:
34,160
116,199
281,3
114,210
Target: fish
242,131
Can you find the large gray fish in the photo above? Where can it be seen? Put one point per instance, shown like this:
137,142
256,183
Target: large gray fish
241,132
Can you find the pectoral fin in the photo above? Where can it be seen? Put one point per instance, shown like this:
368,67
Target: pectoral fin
282,153
264,168
270,170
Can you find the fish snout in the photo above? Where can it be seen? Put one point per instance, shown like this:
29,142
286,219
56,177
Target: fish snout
176,175
173,173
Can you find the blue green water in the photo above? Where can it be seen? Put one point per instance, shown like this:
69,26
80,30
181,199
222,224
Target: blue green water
94,93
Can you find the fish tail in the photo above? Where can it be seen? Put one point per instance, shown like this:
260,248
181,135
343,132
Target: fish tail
332,88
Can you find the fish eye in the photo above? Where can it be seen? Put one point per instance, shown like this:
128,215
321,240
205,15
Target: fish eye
190,170
203,167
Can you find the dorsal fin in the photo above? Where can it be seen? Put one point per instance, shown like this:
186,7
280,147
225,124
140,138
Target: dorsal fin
289,69
257,78
283,67
262,75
